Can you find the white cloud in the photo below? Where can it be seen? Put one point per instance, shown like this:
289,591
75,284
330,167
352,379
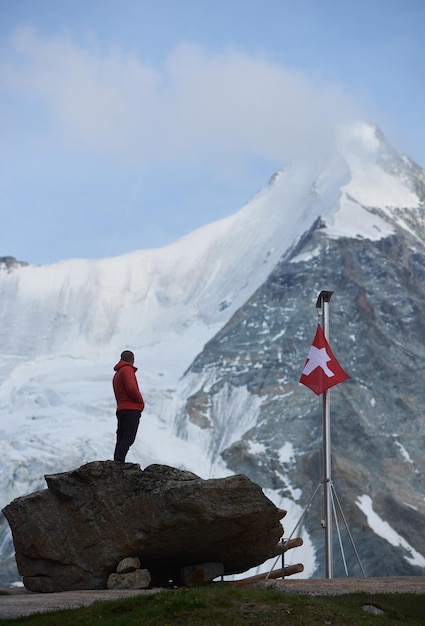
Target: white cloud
219,108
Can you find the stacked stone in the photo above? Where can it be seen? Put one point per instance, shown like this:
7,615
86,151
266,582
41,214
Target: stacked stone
129,575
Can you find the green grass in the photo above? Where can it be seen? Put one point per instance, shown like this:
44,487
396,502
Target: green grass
220,604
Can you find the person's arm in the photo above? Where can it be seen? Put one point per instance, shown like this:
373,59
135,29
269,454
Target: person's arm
132,387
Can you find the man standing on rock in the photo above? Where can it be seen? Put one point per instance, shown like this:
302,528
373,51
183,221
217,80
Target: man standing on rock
130,404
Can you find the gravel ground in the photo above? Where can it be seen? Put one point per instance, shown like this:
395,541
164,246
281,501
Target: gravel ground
21,602
338,586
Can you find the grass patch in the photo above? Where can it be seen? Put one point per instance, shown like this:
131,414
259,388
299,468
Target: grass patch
220,604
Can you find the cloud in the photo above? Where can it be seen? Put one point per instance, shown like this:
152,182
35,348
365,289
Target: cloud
195,107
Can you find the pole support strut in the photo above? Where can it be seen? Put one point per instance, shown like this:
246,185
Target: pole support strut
323,304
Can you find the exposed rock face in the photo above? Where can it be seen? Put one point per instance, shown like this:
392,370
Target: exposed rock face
377,327
74,534
9,262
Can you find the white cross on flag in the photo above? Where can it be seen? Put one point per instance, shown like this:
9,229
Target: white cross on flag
321,370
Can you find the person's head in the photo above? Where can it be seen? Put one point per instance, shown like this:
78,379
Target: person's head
127,356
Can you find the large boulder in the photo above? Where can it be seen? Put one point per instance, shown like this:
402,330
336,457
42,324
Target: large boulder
74,534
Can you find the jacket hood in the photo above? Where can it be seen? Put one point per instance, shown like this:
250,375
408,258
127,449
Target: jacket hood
122,363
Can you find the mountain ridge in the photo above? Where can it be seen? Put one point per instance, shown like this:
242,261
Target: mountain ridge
221,323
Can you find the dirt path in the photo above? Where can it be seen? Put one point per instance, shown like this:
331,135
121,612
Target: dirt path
21,602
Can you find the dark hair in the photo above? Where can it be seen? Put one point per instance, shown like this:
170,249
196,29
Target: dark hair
127,356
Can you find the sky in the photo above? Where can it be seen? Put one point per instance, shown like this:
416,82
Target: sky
126,124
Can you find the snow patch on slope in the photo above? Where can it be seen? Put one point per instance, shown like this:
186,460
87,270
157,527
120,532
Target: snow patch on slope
354,220
384,530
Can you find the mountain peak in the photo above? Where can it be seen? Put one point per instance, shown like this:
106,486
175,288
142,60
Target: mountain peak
363,144
384,190
9,262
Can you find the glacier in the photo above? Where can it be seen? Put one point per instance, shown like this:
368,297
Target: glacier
63,325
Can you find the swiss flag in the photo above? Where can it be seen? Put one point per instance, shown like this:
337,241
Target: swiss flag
321,370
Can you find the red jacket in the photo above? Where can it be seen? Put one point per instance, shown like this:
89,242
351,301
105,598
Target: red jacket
126,388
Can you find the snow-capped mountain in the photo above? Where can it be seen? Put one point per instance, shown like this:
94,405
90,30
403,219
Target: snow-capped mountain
221,322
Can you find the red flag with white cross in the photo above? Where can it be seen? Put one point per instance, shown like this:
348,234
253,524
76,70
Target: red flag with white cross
321,370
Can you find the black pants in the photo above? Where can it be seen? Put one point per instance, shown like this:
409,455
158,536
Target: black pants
128,423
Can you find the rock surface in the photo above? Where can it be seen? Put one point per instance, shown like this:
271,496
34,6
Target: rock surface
136,579
74,534
129,564
197,574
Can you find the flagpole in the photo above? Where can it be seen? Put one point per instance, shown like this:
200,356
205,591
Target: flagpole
323,304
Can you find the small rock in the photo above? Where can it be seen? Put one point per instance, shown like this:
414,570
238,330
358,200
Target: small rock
373,610
137,579
196,574
129,564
